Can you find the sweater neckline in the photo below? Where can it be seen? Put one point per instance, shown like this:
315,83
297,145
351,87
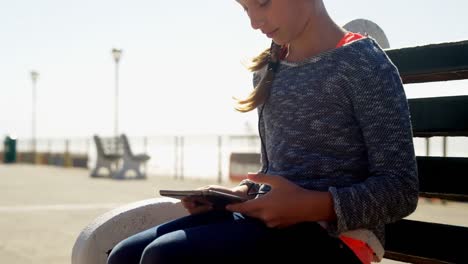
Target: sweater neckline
319,56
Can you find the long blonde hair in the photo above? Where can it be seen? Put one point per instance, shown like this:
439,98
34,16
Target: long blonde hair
270,58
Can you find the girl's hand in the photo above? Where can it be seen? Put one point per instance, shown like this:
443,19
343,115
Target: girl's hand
286,203
195,205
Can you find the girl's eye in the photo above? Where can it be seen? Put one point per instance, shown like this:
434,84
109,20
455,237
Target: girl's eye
263,3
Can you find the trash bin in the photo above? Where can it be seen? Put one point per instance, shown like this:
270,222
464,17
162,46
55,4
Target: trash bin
9,147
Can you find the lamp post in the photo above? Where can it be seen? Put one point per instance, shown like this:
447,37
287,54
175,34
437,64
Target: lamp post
34,77
117,54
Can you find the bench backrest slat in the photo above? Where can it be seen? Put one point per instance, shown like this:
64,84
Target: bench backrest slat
431,240
443,177
439,116
126,145
99,146
430,63
107,145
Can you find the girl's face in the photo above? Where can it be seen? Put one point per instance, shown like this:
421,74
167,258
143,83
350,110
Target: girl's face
281,20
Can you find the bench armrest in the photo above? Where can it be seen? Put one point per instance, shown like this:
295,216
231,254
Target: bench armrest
96,239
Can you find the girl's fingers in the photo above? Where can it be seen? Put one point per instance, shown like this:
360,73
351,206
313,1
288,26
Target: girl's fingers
250,208
194,206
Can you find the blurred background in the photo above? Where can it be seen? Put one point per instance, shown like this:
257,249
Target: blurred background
163,73
158,70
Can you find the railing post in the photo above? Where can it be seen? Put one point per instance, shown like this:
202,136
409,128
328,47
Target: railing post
49,146
145,150
176,157
67,162
87,146
444,146
428,150
220,157
145,144
182,157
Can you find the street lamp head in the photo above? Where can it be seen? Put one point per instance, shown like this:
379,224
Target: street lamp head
34,75
117,53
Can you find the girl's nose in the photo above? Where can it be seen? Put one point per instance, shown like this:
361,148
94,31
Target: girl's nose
257,23
256,19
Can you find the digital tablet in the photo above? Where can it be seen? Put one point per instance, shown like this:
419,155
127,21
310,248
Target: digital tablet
217,198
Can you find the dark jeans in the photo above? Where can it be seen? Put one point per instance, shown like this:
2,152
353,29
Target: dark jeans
223,237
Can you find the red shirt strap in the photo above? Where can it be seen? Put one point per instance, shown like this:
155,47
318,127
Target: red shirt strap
349,37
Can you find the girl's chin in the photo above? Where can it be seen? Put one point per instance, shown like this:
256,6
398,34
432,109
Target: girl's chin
278,41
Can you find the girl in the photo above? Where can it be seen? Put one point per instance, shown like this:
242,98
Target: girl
338,161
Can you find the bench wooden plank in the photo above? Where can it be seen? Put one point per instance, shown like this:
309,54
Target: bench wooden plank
407,239
110,146
430,63
439,116
443,177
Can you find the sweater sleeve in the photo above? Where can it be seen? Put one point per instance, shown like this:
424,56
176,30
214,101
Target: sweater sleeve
391,190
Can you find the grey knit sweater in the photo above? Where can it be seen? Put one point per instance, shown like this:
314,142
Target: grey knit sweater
340,122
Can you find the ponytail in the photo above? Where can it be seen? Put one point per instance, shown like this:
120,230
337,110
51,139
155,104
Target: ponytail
271,58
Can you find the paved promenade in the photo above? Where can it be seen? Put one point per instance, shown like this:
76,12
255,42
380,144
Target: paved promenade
44,208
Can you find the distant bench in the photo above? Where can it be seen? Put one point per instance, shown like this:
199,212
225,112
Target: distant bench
116,156
406,240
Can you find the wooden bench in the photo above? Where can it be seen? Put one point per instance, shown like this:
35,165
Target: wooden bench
439,177
116,156
406,240
109,153
131,161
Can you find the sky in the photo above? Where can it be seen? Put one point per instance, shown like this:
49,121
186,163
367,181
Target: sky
182,61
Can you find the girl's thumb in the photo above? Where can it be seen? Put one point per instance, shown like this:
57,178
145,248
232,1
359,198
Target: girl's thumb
256,177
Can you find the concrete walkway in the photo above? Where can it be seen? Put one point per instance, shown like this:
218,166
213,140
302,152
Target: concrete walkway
44,208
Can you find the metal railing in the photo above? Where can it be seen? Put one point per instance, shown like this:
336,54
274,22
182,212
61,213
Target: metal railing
187,156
